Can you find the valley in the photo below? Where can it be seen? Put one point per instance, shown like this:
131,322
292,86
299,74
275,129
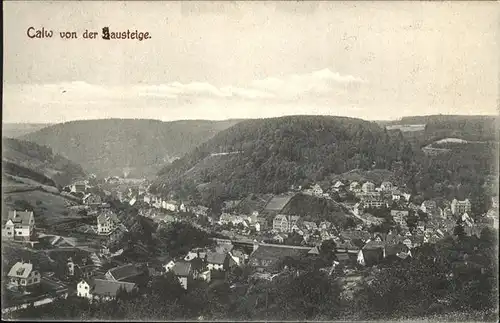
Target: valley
257,205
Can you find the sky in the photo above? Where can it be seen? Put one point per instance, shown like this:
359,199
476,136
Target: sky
221,60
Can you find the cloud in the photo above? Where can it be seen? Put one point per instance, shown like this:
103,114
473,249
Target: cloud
296,93
277,89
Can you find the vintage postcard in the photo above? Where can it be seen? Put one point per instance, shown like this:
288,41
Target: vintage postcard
250,161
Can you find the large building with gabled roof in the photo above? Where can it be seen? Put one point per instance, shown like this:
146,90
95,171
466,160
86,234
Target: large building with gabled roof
20,225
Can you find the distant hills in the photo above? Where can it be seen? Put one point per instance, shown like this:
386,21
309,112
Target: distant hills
34,163
466,127
14,130
269,155
133,147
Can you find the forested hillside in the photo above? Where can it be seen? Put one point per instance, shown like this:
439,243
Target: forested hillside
130,147
28,160
269,155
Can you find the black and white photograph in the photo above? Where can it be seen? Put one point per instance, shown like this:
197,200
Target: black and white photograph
264,161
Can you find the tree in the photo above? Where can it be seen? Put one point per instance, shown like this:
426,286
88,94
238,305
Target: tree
459,230
294,239
178,238
328,250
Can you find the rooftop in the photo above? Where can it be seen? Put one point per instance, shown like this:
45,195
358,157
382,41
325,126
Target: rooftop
124,272
21,270
105,287
182,268
273,253
216,258
21,217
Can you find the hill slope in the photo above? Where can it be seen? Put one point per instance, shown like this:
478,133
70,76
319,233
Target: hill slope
24,159
14,130
269,155
120,146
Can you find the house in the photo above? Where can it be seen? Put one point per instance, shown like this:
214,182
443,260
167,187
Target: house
309,225
355,234
372,220
147,198
20,225
172,206
445,212
368,187
279,238
266,257
460,207
238,256
325,225
124,273
386,186
200,210
62,242
325,235
398,250
372,244
354,187
79,187
379,237
262,223
284,223
338,186
396,195
92,199
346,245
116,235
492,216
102,289
494,202
184,272
23,275
393,239
107,222
400,217
372,201
191,255
216,260
370,257
297,229
132,201
230,205
225,218
429,207
467,219
317,190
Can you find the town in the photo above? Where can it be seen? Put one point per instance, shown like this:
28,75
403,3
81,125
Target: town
93,257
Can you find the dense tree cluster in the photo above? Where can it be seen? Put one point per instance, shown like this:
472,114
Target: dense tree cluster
454,275
180,237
